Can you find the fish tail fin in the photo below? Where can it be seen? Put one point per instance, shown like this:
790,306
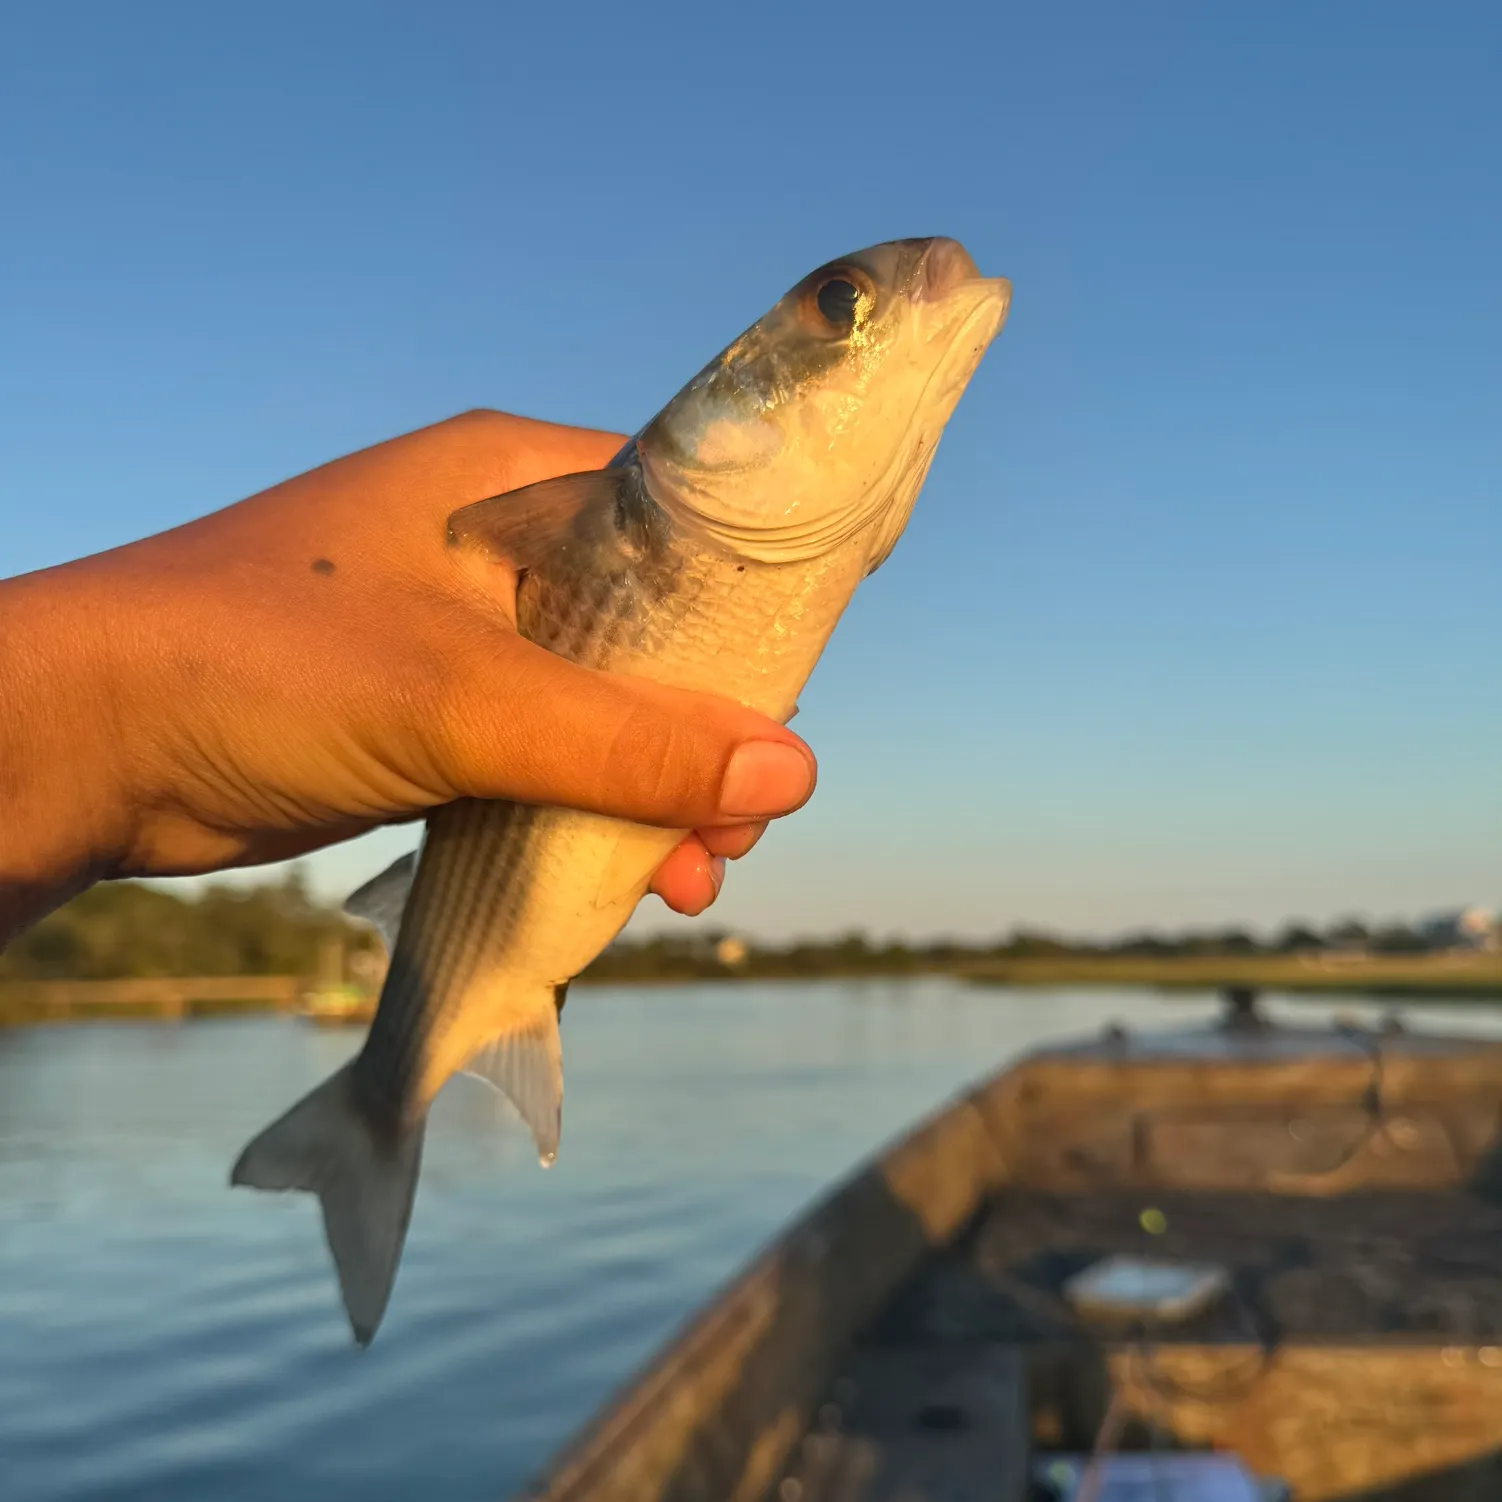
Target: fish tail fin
365,1177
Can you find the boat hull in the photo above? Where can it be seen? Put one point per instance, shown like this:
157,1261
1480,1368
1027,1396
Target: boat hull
911,1336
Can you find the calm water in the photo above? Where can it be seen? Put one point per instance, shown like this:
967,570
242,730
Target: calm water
163,1337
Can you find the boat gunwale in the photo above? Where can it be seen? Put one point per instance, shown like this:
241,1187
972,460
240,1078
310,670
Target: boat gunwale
703,1332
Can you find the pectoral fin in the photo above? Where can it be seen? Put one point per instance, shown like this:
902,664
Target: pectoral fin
525,1063
523,527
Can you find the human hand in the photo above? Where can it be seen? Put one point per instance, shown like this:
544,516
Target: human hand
311,663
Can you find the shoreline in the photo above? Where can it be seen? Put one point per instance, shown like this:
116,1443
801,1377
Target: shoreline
1441,976
1414,978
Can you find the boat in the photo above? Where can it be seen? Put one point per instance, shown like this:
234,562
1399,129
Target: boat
1234,1262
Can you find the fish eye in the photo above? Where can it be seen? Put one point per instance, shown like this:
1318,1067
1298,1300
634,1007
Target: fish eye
837,301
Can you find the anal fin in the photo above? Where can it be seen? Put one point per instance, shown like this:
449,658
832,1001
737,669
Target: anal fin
525,1063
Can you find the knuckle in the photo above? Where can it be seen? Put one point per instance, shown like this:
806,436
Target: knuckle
657,758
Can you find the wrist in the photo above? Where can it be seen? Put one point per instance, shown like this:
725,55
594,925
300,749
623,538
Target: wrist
63,814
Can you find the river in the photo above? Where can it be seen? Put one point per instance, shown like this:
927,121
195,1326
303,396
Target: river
164,1337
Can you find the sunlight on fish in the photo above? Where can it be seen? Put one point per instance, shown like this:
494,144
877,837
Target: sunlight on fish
716,552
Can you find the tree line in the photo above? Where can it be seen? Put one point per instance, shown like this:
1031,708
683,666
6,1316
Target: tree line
699,955
124,929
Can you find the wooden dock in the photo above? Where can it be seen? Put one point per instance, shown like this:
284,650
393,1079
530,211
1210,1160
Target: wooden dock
173,998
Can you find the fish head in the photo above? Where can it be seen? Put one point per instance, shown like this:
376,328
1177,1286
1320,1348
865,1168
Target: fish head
818,424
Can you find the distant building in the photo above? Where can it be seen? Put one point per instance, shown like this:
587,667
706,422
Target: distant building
1466,928
731,952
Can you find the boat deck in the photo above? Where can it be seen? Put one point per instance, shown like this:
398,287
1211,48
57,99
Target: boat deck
981,1354
1355,1267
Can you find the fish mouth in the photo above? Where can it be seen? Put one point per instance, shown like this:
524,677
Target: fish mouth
945,267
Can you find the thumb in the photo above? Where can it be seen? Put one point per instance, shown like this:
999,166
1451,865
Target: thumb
533,727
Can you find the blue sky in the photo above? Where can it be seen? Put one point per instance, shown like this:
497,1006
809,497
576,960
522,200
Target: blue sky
1198,617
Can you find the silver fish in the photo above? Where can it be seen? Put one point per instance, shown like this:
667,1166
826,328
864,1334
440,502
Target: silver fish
716,552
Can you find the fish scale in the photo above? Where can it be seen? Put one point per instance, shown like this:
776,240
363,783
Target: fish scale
513,863
716,553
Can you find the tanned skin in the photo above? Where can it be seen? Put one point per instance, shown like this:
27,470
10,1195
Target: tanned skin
313,662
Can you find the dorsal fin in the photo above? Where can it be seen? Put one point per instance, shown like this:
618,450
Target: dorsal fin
382,900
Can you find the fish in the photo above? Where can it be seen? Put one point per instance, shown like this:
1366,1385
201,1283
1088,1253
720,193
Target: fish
716,552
